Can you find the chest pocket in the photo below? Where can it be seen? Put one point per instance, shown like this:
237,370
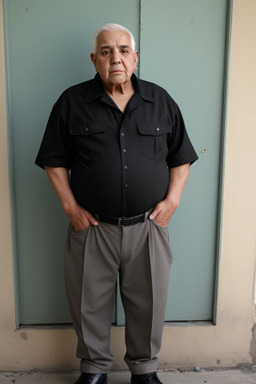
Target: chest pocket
153,139
88,141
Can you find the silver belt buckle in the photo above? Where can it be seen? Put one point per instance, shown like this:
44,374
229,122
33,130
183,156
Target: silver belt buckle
119,222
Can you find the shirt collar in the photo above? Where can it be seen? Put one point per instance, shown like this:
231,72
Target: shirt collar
142,89
96,91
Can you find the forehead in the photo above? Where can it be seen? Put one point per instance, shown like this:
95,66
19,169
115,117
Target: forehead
113,38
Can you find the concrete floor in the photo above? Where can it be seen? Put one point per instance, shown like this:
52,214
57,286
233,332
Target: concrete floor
230,376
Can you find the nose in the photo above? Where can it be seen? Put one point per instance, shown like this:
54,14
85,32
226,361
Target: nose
115,58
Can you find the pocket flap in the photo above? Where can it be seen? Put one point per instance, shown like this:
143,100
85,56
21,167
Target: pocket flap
153,128
86,128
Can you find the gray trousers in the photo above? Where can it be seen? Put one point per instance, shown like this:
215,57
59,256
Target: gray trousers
142,255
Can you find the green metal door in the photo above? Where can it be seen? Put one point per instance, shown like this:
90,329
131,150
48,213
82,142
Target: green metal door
182,48
48,45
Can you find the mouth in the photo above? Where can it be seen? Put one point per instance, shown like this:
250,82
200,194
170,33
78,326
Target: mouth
116,72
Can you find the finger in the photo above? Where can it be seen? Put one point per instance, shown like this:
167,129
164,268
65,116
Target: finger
91,219
158,209
154,214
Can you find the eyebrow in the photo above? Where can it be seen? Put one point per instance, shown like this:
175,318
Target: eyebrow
108,47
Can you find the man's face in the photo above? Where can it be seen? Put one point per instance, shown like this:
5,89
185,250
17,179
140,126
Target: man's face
114,60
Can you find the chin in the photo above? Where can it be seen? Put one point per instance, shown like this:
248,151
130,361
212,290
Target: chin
117,80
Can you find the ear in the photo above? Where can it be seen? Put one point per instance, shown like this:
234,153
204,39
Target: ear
136,57
93,59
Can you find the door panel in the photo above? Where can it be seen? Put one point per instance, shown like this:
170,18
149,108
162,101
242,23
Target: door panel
182,48
48,44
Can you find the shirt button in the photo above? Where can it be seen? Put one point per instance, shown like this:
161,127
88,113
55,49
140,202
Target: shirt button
126,185
158,129
124,150
125,167
122,134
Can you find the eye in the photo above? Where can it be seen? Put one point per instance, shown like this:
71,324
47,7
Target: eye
124,51
105,52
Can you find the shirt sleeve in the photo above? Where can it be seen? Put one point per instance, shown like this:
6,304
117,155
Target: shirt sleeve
181,151
55,147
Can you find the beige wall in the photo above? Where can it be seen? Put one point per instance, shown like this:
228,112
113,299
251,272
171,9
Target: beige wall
227,343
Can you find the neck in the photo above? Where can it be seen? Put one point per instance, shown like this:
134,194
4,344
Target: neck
120,94
119,89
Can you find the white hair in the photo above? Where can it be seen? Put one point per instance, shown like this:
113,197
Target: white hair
112,27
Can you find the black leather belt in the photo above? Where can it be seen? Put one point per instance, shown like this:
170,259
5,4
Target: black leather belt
123,221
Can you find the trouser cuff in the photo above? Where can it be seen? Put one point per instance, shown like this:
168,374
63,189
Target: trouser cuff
90,368
140,368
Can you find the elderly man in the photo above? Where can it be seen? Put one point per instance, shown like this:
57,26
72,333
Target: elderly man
117,154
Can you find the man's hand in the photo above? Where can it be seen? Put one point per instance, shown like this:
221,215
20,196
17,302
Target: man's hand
163,212
81,219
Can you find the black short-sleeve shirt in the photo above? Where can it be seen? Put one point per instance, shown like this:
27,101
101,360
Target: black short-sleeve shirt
119,162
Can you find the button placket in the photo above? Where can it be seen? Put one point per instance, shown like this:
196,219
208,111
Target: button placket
123,147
